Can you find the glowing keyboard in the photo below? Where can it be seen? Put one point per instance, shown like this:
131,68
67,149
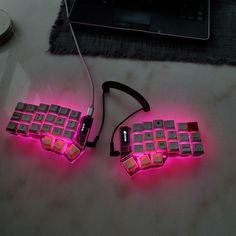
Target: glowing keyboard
59,129
149,144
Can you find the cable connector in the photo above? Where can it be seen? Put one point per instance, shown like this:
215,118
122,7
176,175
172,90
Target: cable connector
92,144
90,111
113,152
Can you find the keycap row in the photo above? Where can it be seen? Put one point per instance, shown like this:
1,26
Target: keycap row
69,150
169,135
36,130
171,147
44,108
47,118
133,164
165,124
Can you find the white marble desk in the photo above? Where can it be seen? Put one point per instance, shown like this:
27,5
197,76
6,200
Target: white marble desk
40,195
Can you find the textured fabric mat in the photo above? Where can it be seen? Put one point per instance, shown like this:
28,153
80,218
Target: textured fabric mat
220,49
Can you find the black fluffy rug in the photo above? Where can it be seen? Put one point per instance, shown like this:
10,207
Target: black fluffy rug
220,49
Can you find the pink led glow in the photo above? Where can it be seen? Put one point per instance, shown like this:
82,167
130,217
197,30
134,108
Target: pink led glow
173,139
50,141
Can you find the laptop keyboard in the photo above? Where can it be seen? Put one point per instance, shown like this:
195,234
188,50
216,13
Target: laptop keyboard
57,127
148,144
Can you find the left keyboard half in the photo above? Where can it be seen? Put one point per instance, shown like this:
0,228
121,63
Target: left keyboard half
56,127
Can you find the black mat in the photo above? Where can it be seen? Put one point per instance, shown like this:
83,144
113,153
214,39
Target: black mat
220,49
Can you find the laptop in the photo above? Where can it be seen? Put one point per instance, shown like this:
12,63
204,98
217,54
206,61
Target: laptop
179,18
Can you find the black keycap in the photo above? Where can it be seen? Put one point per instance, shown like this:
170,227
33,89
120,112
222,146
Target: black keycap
30,108
12,127
46,128
39,117
27,118
60,121
64,111
50,118
43,107
57,131
54,108
68,134
35,128
20,106
23,129
192,126
72,124
16,116
75,115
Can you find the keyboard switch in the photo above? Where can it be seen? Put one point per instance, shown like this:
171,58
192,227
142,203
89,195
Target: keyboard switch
158,124
197,149
147,125
161,145
160,134
137,127
149,147
137,138
183,137
185,149
148,136
138,148
169,124
195,137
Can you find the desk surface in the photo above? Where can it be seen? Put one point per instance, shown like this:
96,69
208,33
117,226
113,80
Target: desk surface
40,195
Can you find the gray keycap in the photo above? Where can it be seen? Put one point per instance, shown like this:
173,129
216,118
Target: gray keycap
160,134
12,127
148,136
68,134
27,118
64,111
39,117
46,128
57,131
161,145
137,138
71,124
16,116
75,115
30,108
54,108
149,147
195,137
158,124
43,107
138,148
147,125
20,106
171,135
183,137
60,121
35,128
50,118
137,127
169,124
173,146
197,149
182,126
23,129
185,149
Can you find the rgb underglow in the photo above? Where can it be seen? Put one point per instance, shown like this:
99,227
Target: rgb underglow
147,145
57,128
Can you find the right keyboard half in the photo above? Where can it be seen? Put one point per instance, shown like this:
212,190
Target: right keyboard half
149,144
